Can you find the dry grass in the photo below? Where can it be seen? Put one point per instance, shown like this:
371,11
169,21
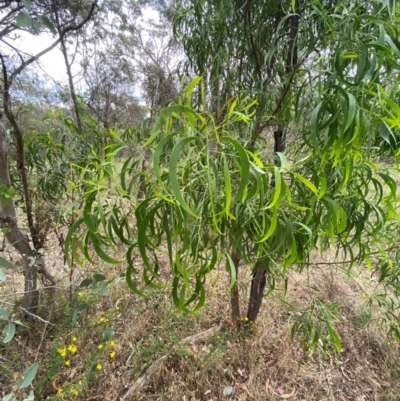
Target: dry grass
259,363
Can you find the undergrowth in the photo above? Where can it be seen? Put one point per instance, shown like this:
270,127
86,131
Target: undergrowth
100,342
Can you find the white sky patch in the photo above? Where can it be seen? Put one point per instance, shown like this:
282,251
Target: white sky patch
52,65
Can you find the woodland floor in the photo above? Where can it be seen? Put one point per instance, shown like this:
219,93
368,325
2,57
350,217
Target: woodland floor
119,335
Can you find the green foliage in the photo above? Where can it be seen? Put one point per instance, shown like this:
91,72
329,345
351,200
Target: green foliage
25,381
6,264
9,329
314,324
210,194
213,191
28,376
6,194
36,22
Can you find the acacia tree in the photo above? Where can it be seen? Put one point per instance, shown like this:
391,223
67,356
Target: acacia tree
274,156
31,17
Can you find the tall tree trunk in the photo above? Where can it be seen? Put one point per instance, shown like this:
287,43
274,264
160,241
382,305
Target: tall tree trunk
259,280
259,277
8,219
20,242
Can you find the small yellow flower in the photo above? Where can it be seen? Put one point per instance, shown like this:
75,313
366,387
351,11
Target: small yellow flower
99,367
74,339
103,320
62,352
72,349
80,382
60,392
74,392
68,363
100,346
112,354
80,294
117,308
112,343
246,319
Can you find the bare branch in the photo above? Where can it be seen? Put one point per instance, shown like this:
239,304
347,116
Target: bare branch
54,44
36,316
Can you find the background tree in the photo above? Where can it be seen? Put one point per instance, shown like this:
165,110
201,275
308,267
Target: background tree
33,19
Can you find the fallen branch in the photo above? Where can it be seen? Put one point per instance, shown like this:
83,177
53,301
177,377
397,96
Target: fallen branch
143,378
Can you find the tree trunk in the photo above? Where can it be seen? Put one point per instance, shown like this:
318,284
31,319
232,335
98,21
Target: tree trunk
256,293
258,282
260,275
8,215
235,301
20,242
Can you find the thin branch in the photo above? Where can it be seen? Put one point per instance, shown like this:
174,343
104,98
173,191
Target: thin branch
342,262
54,44
26,292
36,316
15,49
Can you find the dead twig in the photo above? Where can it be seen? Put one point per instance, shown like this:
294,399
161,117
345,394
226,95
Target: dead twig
35,316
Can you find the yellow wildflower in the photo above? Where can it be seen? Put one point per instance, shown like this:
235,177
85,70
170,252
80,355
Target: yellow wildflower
80,294
80,382
74,392
112,343
72,349
246,319
62,352
112,354
117,308
100,346
99,367
103,320
60,392
74,339
68,363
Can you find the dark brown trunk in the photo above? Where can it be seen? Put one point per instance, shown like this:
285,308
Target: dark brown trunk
279,144
235,301
259,277
256,293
